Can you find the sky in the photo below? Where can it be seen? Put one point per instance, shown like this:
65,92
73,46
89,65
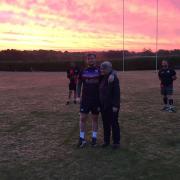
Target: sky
88,25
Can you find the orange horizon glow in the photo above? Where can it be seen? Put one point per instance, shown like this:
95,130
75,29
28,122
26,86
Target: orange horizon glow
88,25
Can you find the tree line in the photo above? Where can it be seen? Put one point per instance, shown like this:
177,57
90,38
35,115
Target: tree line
49,60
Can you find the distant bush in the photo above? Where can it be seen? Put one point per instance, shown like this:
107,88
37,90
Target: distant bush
13,60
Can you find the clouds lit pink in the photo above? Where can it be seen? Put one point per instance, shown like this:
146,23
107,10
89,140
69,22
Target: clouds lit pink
88,24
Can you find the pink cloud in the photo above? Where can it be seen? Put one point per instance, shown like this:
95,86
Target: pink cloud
99,17
9,1
5,16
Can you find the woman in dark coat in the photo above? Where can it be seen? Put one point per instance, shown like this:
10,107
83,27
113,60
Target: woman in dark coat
109,93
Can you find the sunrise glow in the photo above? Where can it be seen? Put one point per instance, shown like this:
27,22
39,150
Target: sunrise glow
80,25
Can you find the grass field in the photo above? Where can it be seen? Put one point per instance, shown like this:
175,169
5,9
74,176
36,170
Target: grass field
38,132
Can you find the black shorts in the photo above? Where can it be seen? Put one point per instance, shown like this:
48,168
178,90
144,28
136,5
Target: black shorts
87,108
166,90
72,86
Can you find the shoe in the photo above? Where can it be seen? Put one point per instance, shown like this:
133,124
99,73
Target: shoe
67,103
115,146
82,143
171,110
94,142
165,108
104,145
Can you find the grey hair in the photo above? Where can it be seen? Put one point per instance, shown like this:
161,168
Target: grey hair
106,65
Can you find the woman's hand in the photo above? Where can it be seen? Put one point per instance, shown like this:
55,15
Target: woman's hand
115,109
78,100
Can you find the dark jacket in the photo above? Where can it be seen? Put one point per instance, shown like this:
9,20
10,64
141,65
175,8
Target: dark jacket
109,93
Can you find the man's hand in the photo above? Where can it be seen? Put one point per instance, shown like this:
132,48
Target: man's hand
115,109
111,78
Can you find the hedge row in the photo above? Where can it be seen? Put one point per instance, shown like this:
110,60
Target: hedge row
133,63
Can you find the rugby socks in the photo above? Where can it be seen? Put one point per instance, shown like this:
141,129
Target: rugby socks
82,134
171,102
94,134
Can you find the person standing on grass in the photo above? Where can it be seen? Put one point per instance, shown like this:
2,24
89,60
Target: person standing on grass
88,83
72,75
109,93
167,76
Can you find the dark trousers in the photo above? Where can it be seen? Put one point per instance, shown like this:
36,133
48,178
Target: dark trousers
110,121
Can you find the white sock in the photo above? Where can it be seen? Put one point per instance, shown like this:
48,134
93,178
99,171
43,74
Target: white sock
82,134
94,134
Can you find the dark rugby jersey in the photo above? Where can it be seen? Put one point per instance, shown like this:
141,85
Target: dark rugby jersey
90,78
166,75
72,74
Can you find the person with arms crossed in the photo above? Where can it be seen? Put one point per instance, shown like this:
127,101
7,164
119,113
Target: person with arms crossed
167,76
